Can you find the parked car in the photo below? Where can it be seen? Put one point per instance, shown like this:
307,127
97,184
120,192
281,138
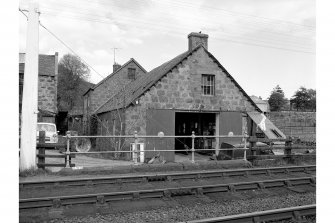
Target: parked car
51,133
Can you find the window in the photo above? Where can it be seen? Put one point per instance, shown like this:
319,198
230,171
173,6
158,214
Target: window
131,73
207,84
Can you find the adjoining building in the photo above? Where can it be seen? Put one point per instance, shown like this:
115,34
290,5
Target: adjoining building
47,86
96,96
191,92
262,104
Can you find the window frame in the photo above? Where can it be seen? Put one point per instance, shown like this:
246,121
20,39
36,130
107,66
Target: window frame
208,85
131,77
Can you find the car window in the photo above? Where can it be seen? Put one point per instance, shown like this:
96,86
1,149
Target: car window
46,128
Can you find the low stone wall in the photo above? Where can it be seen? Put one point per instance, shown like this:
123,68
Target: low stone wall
296,124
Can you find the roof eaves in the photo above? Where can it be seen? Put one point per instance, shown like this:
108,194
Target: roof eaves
89,89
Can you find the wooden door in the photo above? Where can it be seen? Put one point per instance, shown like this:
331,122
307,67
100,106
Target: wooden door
230,122
160,120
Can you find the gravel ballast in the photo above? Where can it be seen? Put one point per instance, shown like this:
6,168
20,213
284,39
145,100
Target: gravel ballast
200,210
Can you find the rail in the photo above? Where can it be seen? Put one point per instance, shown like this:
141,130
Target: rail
308,169
295,213
102,198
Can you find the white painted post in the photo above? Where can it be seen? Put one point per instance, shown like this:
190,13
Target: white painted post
136,150
67,153
30,92
193,150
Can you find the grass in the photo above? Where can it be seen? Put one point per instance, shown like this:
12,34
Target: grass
34,172
296,161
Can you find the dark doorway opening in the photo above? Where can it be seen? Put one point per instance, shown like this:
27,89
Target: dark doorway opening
61,122
201,124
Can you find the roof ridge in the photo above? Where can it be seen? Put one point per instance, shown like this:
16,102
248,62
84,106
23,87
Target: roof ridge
151,78
112,74
154,78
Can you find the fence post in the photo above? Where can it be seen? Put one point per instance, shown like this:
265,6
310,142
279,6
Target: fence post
245,146
136,152
288,146
193,137
41,150
67,153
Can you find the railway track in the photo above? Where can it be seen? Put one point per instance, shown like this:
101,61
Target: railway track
103,198
166,177
292,213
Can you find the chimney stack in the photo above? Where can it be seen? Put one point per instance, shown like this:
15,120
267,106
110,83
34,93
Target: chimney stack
116,67
196,39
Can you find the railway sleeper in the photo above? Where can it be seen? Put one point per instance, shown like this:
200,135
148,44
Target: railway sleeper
182,192
56,203
100,199
156,178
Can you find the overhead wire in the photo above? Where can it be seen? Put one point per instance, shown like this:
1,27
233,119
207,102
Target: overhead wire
71,49
299,41
67,46
268,32
225,39
243,14
229,36
177,6
272,25
23,13
205,7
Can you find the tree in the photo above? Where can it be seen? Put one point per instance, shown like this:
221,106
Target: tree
304,99
72,76
277,100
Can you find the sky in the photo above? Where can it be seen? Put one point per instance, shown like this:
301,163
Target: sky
261,43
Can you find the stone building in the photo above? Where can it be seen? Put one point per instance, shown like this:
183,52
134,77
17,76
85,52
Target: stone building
191,92
96,96
262,104
47,86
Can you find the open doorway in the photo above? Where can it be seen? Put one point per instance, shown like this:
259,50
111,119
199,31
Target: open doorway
201,124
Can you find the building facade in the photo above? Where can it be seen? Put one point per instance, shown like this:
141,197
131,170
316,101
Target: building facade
47,86
98,95
192,92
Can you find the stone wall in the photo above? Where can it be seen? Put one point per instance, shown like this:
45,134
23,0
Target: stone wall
296,124
47,93
181,88
111,86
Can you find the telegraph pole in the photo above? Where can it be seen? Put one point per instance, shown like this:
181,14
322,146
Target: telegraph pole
30,92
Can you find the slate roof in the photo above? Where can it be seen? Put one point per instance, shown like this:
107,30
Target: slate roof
46,64
112,74
138,87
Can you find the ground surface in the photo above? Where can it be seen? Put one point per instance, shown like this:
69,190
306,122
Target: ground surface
184,209
83,161
108,188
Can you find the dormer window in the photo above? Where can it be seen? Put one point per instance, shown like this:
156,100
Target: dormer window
208,84
131,73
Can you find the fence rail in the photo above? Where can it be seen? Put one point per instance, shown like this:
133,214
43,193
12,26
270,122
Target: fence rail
247,143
